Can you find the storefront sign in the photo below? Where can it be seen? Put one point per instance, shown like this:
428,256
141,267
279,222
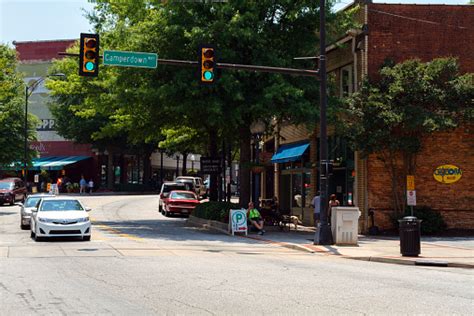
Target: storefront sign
447,174
238,221
210,165
411,198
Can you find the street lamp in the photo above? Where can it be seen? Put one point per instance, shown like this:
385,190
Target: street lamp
257,128
29,89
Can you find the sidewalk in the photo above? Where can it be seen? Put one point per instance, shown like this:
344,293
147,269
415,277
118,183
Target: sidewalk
435,251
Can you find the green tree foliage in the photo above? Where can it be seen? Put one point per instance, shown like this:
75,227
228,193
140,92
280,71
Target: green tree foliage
12,115
413,99
266,32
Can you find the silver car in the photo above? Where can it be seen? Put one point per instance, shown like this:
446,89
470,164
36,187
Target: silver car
30,204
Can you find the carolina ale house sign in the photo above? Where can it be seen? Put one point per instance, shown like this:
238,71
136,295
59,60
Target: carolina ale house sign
447,174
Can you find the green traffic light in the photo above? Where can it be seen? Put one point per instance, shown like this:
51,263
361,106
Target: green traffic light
90,66
208,75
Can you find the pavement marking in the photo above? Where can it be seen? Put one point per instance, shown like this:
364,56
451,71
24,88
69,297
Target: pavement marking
114,231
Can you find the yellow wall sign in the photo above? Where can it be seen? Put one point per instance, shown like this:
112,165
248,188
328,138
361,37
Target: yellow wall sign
447,174
410,183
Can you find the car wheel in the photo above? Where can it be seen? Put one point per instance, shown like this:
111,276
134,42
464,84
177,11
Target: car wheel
166,213
24,227
32,234
86,238
12,201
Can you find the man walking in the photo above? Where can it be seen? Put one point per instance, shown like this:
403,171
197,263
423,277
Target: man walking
316,203
82,184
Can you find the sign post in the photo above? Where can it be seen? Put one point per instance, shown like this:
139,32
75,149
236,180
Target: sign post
238,221
411,193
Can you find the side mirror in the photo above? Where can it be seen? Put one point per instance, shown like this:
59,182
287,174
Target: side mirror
20,204
88,209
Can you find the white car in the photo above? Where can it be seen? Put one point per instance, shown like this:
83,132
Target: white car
60,217
28,207
199,186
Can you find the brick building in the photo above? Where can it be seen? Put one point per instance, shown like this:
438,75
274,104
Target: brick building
394,32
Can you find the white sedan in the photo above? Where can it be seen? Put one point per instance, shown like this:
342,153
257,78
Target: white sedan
60,217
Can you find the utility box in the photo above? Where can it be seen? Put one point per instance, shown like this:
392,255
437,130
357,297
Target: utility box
344,225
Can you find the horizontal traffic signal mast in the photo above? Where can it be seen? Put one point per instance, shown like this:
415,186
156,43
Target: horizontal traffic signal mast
89,55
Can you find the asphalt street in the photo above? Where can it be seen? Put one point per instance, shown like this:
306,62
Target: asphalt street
140,262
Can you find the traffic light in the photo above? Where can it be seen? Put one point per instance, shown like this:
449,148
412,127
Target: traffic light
207,61
89,55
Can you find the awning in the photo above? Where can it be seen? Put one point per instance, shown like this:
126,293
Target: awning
55,162
290,152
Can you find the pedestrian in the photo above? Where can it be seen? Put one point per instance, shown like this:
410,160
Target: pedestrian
91,186
332,203
82,185
255,218
316,204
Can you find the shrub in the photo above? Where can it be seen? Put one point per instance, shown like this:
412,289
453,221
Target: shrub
432,221
217,211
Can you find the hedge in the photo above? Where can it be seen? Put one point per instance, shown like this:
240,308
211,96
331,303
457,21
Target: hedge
217,211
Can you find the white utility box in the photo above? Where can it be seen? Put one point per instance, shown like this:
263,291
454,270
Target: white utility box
344,225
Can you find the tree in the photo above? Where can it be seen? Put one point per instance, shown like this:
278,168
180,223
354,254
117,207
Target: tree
390,118
261,33
12,115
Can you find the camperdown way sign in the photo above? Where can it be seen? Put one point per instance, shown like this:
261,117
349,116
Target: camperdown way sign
130,59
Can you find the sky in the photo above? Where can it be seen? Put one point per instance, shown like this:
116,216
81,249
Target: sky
33,20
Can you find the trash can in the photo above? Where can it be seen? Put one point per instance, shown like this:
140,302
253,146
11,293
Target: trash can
410,234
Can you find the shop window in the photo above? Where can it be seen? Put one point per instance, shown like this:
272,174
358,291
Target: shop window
346,81
297,191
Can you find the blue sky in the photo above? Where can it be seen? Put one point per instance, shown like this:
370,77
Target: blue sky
32,20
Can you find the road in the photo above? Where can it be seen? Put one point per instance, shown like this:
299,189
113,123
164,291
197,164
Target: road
140,262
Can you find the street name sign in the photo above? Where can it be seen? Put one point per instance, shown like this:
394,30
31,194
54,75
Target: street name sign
130,59
410,183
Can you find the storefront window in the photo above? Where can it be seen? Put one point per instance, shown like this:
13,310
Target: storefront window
297,192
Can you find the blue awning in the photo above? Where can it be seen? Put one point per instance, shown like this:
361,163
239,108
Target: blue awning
290,152
55,162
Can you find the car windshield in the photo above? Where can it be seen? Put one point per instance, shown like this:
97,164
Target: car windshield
61,205
189,185
6,185
171,187
31,201
183,196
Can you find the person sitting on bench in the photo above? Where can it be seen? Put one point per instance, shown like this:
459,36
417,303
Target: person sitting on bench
255,218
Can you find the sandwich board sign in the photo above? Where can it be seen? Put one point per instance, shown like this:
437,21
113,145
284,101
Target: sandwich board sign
238,221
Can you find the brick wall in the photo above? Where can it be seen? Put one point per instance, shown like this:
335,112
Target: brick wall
400,32
41,50
454,201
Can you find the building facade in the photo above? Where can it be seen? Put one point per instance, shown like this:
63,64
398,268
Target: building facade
395,32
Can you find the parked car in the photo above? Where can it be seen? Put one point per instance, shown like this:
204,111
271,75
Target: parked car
60,217
180,202
199,186
28,206
166,188
12,190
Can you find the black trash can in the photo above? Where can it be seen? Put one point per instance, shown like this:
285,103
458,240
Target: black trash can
410,233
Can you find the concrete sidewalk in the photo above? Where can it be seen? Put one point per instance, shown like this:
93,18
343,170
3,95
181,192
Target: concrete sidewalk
435,251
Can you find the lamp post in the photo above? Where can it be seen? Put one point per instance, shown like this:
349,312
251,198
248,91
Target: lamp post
257,128
29,89
323,235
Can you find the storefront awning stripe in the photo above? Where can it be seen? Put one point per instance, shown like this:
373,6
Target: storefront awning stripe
290,152
55,162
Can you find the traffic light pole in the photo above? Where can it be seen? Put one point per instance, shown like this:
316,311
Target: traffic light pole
323,234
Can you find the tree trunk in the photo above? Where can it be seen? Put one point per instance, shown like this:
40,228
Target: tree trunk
185,158
244,170
146,168
110,168
213,153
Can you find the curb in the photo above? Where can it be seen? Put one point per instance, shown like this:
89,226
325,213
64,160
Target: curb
208,224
